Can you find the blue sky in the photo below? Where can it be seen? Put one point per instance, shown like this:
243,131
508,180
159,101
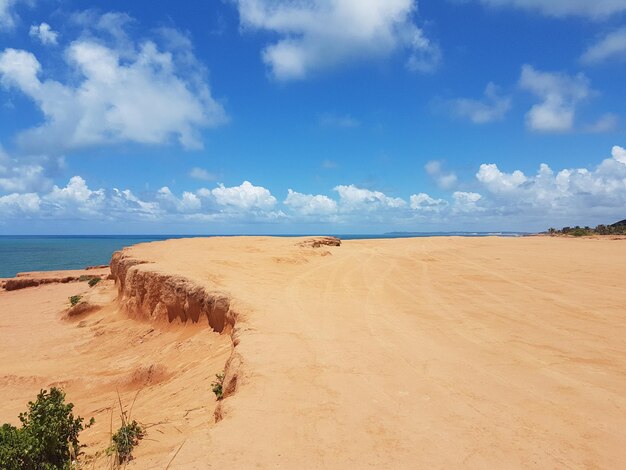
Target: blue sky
335,116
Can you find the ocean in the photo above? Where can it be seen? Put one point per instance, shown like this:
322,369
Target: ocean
47,253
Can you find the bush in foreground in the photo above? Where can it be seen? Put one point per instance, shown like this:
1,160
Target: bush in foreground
48,438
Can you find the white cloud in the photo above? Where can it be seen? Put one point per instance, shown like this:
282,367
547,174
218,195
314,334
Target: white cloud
76,196
560,94
496,181
139,94
466,201
44,34
322,34
353,198
619,154
202,174
493,108
595,9
309,205
124,204
610,47
21,177
424,203
245,196
187,203
499,200
19,204
574,192
8,17
444,179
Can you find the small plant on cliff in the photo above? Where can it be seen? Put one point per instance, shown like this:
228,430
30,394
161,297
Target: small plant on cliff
218,386
83,278
75,299
125,440
126,437
48,438
93,281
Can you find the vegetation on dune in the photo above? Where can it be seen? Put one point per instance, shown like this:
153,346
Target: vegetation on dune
93,281
75,299
218,386
48,438
615,229
125,439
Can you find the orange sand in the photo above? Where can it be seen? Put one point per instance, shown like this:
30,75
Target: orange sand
418,353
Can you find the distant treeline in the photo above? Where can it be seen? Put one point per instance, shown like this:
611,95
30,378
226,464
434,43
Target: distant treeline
615,229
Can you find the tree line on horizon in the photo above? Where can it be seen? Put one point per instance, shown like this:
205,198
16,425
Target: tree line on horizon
618,228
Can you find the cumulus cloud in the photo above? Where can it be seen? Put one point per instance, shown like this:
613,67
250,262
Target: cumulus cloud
322,34
353,198
424,203
246,196
77,196
619,154
559,94
187,203
139,94
19,204
595,9
492,108
466,201
573,192
44,34
444,179
309,204
610,47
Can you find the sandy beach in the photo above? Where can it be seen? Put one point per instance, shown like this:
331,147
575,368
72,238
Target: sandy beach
407,353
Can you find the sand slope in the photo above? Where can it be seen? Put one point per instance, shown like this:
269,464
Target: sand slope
97,354
438,352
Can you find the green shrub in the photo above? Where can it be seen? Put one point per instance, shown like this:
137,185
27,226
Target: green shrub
125,440
48,438
579,232
75,299
84,277
93,281
218,386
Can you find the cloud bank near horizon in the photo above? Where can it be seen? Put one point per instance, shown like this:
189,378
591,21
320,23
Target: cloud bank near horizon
492,198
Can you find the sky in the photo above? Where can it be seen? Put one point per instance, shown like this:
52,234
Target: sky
311,116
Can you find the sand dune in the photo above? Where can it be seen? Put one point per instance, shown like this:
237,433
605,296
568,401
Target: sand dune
415,353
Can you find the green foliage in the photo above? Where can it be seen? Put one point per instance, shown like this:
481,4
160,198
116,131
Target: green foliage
125,440
615,229
75,299
84,277
93,281
48,438
218,386
580,232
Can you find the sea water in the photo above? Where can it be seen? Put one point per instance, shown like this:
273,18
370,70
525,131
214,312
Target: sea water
47,253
